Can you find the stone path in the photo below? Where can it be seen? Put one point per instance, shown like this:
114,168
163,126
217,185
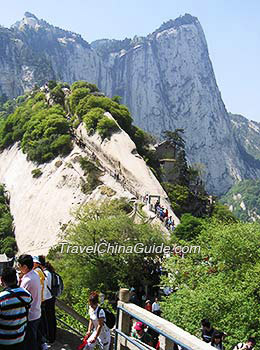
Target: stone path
65,341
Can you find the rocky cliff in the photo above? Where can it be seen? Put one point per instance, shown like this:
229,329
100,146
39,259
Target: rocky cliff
42,207
166,79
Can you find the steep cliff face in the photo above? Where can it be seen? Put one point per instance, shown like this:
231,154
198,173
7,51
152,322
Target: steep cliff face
32,51
168,82
166,79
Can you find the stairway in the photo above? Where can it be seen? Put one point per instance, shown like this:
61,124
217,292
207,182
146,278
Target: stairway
65,341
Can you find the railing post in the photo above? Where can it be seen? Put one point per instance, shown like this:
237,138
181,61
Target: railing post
165,343
123,319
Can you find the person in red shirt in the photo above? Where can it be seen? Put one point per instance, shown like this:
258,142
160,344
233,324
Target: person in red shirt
148,305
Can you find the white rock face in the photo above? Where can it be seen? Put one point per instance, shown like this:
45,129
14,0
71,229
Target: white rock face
168,83
166,79
42,207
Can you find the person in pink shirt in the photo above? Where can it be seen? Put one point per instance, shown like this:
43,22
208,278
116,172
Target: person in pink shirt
31,282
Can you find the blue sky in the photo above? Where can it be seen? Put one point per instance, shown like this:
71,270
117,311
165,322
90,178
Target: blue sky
232,30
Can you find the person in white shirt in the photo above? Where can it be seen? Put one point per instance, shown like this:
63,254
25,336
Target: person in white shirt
249,345
31,282
101,332
156,307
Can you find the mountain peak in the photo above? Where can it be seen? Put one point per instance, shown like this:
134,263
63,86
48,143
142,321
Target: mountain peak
29,19
176,23
30,15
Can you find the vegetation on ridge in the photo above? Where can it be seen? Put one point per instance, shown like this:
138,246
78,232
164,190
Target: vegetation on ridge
7,240
244,197
43,121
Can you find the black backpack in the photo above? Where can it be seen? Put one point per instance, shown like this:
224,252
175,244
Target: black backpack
57,285
110,317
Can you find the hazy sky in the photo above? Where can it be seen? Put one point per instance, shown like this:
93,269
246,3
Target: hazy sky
232,29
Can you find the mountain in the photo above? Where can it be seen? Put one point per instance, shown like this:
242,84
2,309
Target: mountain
52,164
243,200
247,133
166,79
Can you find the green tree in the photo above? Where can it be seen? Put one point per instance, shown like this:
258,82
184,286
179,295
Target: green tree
189,227
106,127
107,224
220,282
92,118
76,96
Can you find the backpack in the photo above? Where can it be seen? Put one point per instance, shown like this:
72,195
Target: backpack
57,285
110,317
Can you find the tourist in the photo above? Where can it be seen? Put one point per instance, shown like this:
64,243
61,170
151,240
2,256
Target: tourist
49,301
156,307
207,330
249,345
14,307
140,334
101,333
216,340
31,282
148,305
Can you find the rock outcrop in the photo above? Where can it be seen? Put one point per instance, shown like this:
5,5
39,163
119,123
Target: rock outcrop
42,207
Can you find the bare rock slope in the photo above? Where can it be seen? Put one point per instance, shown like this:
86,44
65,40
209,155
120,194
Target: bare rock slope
42,207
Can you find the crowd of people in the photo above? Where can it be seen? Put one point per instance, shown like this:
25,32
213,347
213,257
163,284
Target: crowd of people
150,337
163,214
28,322
27,305
139,330
216,338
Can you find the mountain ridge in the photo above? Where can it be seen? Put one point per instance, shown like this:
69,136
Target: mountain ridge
166,79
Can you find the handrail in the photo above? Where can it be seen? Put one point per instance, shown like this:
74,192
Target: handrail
68,326
63,306
135,342
170,334
153,327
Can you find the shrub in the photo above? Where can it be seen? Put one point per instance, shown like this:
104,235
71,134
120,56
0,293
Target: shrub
106,127
84,84
36,173
92,172
58,95
92,118
76,96
62,145
189,227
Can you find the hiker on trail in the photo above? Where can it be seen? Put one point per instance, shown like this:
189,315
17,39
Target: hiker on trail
156,307
14,306
49,301
148,305
216,340
206,330
249,345
31,282
101,333
157,204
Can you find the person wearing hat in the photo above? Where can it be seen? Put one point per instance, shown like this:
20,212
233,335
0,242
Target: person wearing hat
148,305
140,334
